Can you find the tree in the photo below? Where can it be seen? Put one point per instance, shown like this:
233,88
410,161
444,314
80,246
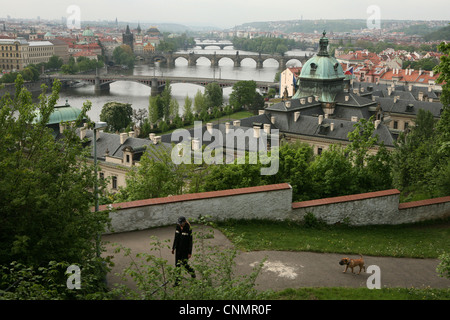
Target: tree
443,69
174,108
243,94
153,112
188,115
331,174
166,98
124,55
117,115
365,163
55,62
157,176
213,95
200,104
46,188
412,154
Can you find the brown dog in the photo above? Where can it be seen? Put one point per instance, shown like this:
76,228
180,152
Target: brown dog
352,263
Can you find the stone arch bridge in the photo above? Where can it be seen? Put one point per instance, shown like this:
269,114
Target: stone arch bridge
169,58
102,82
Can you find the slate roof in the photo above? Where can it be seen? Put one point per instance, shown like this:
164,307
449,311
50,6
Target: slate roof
309,126
400,107
111,142
245,125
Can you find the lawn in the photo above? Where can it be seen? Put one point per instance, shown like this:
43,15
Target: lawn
420,240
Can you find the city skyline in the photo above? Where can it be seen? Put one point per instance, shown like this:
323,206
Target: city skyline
225,14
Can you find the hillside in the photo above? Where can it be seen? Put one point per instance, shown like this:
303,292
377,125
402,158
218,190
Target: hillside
441,34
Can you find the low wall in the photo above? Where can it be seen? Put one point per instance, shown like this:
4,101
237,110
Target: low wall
424,210
264,202
274,202
379,207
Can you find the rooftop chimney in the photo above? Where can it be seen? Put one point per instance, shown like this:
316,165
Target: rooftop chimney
237,123
377,123
260,112
332,126
131,134
227,127
152,136
320,119
346,98
157,140
272,119
209,127
256,131
123,137
267,128
420,97
195,144
82,133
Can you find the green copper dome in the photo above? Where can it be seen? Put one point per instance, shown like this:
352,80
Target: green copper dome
322,66
88,33
321,76
61,114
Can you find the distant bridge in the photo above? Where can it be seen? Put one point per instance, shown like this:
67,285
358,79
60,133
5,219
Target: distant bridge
221,45
102,82
192,57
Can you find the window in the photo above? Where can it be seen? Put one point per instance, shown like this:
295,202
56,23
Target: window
406,125
319,151
102,176
114,182
395,124
128,158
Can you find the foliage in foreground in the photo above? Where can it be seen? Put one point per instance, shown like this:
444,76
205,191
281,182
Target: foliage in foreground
216,279
46,199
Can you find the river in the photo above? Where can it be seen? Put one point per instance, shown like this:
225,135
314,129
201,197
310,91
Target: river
138,94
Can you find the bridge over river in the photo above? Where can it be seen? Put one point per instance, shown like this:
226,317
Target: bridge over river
168,58
102,82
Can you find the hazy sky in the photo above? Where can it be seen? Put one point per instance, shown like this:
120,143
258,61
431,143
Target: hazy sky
226,13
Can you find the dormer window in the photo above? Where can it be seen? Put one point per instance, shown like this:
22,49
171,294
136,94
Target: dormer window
313,67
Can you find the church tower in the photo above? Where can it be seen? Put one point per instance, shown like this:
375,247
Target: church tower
128,38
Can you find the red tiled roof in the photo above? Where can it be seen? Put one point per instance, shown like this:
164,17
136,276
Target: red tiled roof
354,197
197,196
84,54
